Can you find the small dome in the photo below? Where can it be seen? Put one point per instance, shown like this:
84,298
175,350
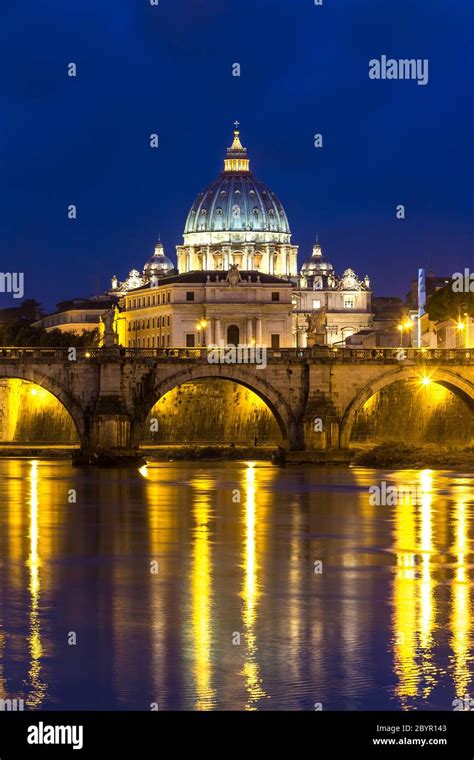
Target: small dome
158,265
317,264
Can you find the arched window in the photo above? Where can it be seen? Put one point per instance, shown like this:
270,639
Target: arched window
233,335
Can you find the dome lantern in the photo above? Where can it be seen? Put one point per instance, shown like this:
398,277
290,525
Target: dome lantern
236,160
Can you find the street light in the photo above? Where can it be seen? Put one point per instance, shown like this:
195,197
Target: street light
407,325
468,342
201,325
463,327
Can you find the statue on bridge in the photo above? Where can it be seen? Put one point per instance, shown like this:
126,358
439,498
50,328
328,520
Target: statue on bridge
316,328
108,319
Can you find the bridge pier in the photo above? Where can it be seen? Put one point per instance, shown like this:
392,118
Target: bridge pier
109,424
321,424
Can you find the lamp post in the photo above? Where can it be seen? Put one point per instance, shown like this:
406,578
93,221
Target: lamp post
405,326
465,313
462,326
200,327
400,327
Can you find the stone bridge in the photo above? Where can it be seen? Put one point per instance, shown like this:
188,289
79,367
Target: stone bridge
109,392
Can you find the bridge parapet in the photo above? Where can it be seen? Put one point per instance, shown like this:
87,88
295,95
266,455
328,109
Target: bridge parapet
48,355
322,354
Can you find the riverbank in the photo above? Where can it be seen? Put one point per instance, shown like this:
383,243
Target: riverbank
339,457
401,456
37,452
387,456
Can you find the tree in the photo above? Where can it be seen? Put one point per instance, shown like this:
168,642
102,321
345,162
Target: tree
446,304
22,334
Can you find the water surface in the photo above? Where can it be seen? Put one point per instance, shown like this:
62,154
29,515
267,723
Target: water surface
198,586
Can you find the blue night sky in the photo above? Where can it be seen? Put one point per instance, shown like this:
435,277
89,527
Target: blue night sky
168,69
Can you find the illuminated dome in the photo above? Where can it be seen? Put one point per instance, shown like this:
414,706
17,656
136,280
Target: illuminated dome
317,264
158,265
236,206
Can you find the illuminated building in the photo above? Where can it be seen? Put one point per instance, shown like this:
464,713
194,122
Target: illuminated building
77,315
238,276
237,220
237,279
202,308
344,303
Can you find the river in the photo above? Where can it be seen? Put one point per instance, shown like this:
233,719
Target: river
233,586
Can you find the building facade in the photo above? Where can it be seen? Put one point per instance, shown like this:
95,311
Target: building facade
237,279
208,308
77,316
338,306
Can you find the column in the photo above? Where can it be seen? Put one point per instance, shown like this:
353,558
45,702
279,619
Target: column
217,332
266,263
249,330
258,335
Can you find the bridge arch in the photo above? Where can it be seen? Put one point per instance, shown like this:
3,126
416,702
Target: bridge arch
235,373
450,380
32,375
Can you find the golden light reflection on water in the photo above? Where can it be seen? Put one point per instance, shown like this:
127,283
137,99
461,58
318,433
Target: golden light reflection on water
202,581
38,687
414,591
426,588
244,566
404,602
419,579
461,612
251,593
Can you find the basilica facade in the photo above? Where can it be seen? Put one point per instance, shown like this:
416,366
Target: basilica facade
237,279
